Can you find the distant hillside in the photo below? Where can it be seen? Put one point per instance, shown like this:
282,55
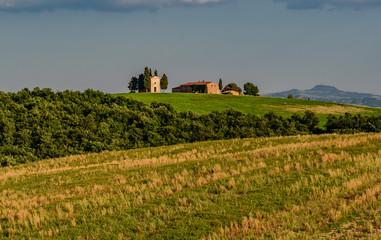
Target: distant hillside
332,94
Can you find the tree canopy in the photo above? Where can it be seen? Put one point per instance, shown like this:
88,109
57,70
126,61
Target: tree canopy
250,89
133,84
164,82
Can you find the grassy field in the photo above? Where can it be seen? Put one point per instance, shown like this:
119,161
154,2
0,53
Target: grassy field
287,187
206,103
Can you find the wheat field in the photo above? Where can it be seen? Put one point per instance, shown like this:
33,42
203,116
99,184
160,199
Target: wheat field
308,187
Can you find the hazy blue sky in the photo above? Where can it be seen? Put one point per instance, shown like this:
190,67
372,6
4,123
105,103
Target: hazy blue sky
276,44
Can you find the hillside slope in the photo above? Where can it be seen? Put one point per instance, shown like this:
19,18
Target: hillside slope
291,187
41,124
206,103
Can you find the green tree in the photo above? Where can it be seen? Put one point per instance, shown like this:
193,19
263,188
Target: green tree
232,87
164,82
141,83
133,84
290,96
250,89
220,86
147,79
310,120
156,73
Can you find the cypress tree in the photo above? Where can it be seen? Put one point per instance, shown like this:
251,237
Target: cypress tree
147,79
220,86
141,83
164,82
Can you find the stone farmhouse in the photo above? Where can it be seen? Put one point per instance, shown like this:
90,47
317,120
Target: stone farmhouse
230,92
197,87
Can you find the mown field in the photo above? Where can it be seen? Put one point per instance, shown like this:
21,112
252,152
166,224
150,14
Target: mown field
326,186
206,103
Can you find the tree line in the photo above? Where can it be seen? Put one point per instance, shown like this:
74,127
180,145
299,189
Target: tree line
41,124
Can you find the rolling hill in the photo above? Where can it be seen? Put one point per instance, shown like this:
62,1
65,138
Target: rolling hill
284,187
332,94
206,103
42,124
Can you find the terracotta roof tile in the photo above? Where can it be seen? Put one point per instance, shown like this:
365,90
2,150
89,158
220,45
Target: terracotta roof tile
196,83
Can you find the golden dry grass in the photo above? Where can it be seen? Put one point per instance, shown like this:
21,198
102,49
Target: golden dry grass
332,109
327,184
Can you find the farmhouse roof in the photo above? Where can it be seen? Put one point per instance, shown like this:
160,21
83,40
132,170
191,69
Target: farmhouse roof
196,83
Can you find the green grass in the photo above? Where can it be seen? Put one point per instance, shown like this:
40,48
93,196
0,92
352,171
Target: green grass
285,187
206,103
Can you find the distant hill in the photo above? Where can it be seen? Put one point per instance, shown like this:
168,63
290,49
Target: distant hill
332,94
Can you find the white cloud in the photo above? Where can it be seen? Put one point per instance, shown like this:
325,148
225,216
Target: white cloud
101,5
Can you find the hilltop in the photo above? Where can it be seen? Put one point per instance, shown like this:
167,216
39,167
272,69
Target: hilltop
332,94
206,103
284,187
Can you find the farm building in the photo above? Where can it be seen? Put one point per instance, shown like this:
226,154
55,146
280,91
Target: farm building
197,87
231,92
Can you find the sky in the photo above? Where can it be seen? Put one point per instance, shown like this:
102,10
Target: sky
276,44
